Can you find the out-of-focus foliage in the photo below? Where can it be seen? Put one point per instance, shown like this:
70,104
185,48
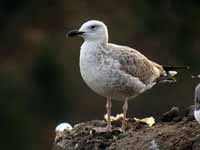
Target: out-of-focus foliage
40,83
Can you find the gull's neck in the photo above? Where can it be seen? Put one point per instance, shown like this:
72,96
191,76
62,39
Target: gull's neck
102,43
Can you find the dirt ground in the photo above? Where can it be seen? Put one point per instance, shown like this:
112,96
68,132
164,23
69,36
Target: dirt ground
174,130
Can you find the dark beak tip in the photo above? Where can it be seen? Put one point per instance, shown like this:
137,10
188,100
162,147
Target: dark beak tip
73,33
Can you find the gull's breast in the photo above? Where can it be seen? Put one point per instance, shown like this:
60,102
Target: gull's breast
97,70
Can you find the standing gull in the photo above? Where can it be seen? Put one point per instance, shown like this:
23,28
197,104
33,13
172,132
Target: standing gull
114,71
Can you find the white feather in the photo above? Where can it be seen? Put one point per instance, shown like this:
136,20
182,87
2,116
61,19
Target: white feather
172,73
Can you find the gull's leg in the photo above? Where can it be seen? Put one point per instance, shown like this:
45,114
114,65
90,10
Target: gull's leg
108,108
125,108
109,126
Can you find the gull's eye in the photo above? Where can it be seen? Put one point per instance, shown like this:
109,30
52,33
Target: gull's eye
93,27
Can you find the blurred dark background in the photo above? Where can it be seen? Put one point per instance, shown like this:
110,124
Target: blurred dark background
40,83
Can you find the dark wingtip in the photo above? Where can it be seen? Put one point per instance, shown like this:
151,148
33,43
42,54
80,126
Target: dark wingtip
168,68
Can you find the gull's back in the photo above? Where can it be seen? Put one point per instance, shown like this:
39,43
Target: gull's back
136,64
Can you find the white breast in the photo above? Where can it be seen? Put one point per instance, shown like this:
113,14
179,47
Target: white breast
197,115
93,69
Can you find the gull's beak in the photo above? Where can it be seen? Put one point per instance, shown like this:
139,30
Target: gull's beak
74,33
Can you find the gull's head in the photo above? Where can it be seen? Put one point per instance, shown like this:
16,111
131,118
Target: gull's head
197,97
91,31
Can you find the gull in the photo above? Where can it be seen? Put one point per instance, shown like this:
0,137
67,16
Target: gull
114,71
197,103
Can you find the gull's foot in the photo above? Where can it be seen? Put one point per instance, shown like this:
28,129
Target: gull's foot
108,128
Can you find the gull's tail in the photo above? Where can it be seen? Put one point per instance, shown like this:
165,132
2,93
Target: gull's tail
171,72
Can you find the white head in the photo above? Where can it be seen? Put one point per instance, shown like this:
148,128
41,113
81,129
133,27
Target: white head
92,31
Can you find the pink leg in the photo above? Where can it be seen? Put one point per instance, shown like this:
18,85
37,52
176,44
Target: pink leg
108,108
125,108
109,126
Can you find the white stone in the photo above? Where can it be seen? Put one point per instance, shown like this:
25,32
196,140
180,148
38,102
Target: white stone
63,127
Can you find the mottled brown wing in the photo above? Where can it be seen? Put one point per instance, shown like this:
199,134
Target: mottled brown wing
162,71
136,64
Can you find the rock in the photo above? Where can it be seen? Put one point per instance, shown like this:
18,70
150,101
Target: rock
171,135
172,114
